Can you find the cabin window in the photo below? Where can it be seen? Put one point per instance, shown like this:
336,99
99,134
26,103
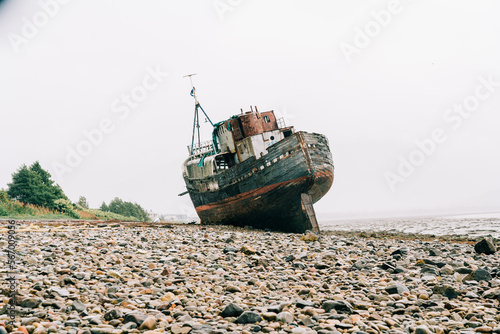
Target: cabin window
267,119
272,137
221,163
225,161
287,133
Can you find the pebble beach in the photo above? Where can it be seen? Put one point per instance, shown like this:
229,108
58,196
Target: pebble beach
144,278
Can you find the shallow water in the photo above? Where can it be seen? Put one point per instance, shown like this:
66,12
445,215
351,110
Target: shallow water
473,225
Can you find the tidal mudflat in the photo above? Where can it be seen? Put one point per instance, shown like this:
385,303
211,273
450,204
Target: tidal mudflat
469,225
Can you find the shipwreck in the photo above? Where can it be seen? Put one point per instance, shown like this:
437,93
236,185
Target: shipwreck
256,171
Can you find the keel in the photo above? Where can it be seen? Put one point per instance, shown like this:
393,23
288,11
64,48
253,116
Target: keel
308,209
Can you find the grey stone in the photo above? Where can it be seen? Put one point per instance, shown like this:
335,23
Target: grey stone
204,329
233,289
248,317
230,250
485,246
387,266
422,330
231,310
307,321
463,270
341,306
321,266
471,294
60,291
447,291
397,288
72,323
301,303
113,314
284,317
428,270
434,252
479,275
117,322
58,305
79,306
31,302
129,326
400,251
135,316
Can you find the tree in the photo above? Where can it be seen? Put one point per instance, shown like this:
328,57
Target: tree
104,207
82,201
33,185
127,209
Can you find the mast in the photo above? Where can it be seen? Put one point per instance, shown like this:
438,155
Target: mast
196,121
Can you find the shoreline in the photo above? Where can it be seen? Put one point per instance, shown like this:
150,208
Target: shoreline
361,233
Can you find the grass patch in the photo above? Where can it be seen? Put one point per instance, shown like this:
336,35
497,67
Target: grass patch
32,217
103,215
12,209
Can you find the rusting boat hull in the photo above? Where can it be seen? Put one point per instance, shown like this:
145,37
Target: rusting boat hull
274,192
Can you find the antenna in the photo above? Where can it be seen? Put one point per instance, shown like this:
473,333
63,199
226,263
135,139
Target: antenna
193,91
196,121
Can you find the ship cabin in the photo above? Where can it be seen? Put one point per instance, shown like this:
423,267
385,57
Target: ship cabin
241,137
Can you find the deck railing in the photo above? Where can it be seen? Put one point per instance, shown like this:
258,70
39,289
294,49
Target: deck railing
201,148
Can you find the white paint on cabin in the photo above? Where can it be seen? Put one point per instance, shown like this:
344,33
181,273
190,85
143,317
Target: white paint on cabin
225,138
256,146
259,147
272,137
245,149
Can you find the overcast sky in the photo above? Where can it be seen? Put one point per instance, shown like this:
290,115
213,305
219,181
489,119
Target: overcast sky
407,92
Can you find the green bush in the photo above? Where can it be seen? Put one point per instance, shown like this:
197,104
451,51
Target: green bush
65,206
4,197
3,212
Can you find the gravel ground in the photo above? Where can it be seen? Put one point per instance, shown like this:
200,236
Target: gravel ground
126,278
